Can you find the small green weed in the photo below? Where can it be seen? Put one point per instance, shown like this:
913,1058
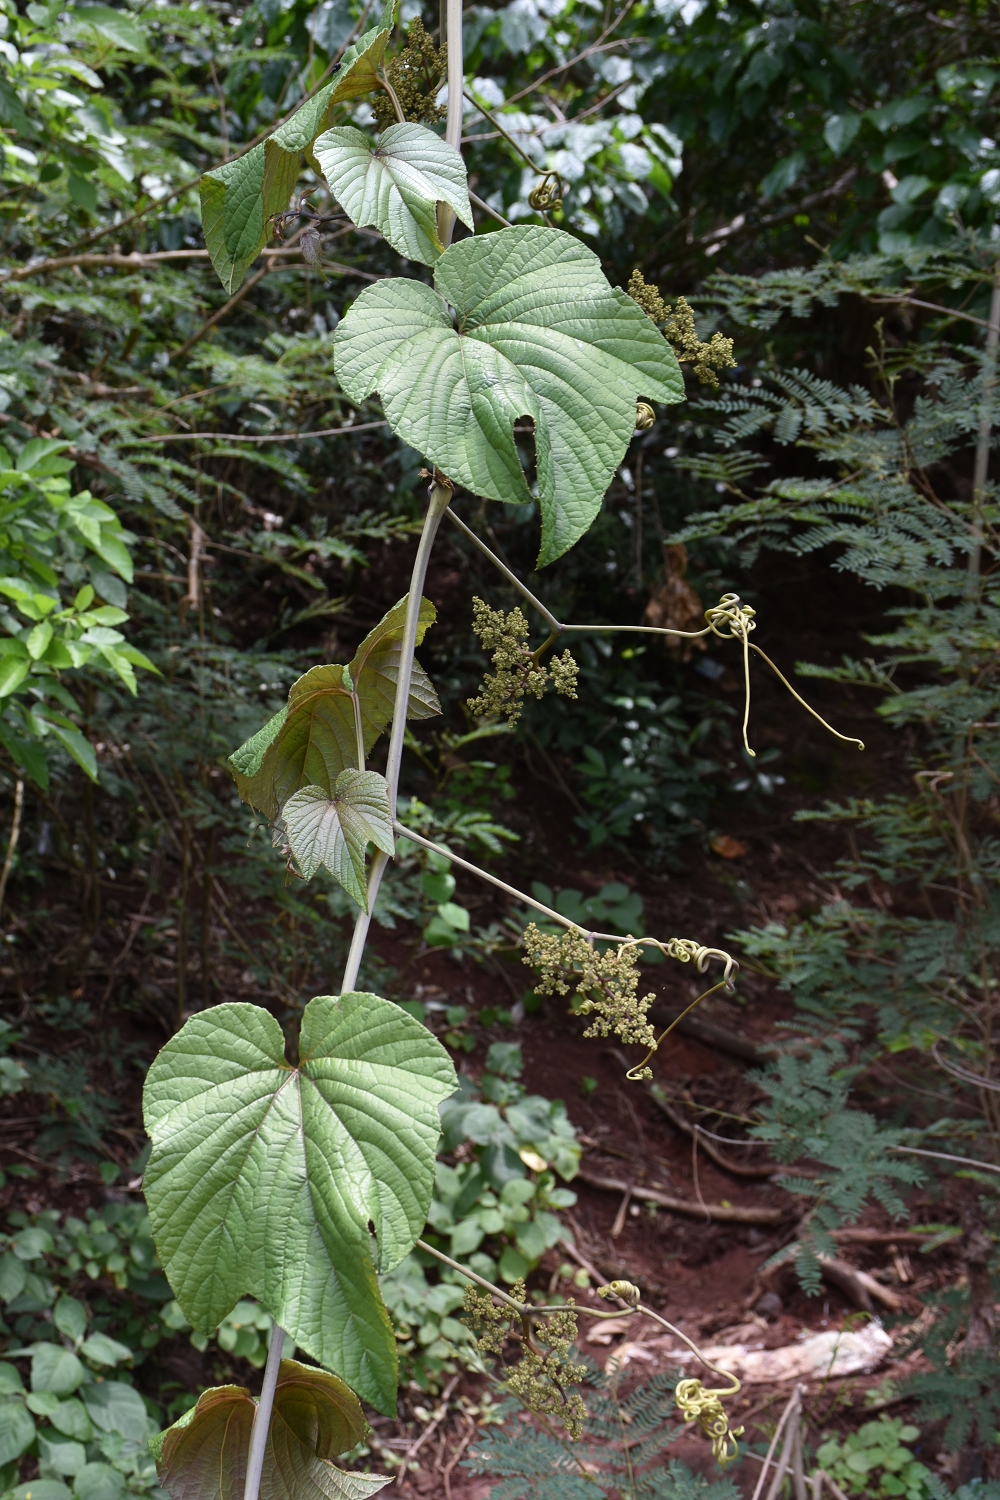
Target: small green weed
875,1461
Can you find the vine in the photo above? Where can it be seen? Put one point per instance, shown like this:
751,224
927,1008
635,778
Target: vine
299,1180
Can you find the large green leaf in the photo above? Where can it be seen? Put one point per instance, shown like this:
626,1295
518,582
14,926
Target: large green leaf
356,75
17,1430
395,184
335,831
285,1183
240,198
540,334
312,740
238,204
247,760
316,1417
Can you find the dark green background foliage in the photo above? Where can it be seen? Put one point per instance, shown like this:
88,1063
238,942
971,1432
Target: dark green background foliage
822,182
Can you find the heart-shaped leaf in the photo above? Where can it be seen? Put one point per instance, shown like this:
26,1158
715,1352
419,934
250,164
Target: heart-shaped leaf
312,740
316,1417
247,760
540,334
283,1183
240,198
238,204
395,183
335,831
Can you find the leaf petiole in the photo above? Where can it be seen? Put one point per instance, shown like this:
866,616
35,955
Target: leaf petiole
520,1308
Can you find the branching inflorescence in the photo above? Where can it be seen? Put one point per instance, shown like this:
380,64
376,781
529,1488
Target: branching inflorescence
415,76
607,983
677,324
517,672
541,1376
730,619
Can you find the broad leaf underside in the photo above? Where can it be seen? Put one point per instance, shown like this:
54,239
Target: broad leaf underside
541,335
312,740
264,1179
395,183
335,831
316,1418
240,198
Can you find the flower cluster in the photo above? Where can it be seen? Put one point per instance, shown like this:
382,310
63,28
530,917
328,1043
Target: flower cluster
541,1376
516,672
490,1321
680,333
607,983
416,75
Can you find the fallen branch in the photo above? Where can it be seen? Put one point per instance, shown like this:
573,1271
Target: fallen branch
853,1235
862,1289
724,1213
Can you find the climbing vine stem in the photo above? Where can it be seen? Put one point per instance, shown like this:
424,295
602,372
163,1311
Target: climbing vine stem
440,494
262,1416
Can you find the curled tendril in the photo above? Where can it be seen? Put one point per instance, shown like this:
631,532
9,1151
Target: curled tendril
645,416
696,1404
625,1290
547,194
685,951
731,619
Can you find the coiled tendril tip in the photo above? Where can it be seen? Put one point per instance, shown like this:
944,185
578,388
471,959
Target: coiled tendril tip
732,619
626,1291
686,950
696,1404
